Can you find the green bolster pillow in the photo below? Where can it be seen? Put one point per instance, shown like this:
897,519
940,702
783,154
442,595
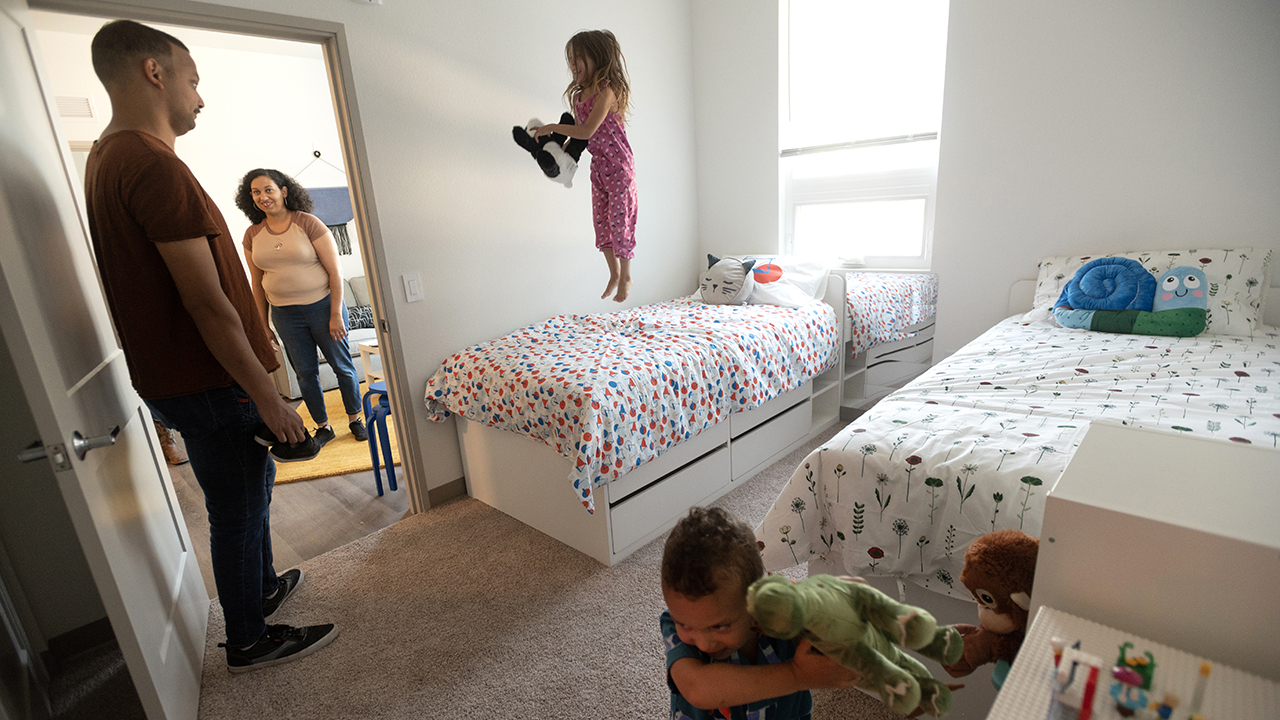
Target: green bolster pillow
1176,322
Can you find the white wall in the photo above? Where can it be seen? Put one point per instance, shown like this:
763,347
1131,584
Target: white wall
1083,126
439,87
735,65
1092,126
267,104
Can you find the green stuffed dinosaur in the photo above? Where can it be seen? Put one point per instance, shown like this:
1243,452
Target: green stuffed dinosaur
861,628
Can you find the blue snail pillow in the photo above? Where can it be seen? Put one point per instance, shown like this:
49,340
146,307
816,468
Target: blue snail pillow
1119,295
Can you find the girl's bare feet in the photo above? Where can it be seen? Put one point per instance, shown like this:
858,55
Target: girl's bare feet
624,289
611,287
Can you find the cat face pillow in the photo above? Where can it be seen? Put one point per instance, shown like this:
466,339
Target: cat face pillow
727,281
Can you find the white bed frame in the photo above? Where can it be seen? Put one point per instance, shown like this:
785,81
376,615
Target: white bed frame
529,481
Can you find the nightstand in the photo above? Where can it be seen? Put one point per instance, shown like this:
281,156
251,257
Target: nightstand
1174,537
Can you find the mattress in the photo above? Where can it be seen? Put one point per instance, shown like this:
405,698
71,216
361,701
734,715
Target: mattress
612,391
975,443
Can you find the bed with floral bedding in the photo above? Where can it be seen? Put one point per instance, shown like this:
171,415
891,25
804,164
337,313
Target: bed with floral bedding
885,307
974,444
612,391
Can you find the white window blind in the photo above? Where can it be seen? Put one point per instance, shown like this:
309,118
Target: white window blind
862,69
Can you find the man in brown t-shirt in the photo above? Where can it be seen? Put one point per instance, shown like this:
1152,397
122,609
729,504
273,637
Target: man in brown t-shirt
196,348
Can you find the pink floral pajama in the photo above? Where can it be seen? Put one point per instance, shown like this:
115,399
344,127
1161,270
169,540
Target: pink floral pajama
613,183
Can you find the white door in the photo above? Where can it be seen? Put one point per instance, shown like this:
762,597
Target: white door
57,328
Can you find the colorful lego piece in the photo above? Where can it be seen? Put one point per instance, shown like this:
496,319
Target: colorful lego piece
1164,709
1197,697
1127,691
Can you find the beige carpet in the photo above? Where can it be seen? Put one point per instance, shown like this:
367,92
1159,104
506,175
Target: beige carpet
462,612
343,454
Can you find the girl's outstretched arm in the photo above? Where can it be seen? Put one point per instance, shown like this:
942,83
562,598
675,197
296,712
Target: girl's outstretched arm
604,101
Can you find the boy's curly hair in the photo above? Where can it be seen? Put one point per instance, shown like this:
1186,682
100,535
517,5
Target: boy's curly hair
297,199
706,548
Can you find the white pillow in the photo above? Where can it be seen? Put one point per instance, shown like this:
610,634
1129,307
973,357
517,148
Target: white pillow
787,281
1237,280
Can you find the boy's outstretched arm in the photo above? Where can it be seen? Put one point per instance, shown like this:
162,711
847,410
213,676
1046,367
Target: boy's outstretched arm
716,685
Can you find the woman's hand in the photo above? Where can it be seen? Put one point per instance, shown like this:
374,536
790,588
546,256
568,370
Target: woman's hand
337,328
544,130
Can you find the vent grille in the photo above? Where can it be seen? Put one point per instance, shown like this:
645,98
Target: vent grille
74,107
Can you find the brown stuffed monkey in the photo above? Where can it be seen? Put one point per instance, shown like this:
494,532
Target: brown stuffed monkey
998,570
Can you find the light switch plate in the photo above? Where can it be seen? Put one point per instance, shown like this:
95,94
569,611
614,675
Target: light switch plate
412,287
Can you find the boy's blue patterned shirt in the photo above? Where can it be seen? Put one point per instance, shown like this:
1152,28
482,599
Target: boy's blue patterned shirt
796,706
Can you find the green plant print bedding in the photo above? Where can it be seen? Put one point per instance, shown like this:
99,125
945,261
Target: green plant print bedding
975,443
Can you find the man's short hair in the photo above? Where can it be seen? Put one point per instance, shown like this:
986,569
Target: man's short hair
709,547
121,44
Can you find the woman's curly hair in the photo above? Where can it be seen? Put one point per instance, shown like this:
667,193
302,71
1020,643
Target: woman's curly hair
297,198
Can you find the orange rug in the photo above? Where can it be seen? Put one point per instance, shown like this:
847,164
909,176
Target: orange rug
343,454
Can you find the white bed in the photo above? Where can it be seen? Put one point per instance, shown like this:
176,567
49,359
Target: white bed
1007,407
974,444
528,478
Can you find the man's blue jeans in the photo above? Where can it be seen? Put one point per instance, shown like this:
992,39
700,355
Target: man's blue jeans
236,475
303,329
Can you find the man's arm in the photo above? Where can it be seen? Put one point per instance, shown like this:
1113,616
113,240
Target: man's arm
196,276
716,685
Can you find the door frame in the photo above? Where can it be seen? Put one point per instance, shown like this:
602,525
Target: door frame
332,38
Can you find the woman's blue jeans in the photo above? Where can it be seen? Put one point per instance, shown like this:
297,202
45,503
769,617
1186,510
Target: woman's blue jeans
236,475
303,329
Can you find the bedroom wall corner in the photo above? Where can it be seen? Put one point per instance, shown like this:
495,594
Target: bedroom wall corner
735,76
1097,126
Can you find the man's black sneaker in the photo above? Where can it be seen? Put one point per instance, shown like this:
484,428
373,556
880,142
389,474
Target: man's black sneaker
296,452
358,431
324,435
280,644
264,436
288,583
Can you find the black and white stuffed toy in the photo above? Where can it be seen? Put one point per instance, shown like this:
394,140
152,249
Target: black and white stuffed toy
557,160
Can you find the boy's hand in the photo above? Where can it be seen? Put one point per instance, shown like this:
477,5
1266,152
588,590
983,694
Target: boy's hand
814,670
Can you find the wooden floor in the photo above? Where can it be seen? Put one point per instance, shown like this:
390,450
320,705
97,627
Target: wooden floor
308,517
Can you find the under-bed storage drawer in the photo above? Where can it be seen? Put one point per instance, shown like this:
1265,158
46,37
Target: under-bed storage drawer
742,422
751,449
893,364
636,516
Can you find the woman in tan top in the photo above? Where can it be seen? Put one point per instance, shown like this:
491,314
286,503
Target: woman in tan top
293,263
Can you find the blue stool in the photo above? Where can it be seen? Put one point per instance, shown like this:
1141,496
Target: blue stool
375,419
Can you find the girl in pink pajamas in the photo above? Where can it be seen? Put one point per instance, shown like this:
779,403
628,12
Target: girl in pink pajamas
600,93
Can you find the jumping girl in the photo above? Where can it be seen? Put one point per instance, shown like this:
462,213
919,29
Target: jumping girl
600,95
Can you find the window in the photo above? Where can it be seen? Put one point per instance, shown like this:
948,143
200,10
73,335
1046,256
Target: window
862,104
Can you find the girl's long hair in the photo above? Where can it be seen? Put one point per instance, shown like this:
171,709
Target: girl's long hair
297,199
603,50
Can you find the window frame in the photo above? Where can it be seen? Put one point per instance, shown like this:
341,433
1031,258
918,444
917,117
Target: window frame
898,184
889,185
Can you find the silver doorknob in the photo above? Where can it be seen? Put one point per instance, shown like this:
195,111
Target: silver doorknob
83,445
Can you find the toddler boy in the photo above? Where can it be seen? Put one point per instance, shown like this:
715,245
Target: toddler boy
718,664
